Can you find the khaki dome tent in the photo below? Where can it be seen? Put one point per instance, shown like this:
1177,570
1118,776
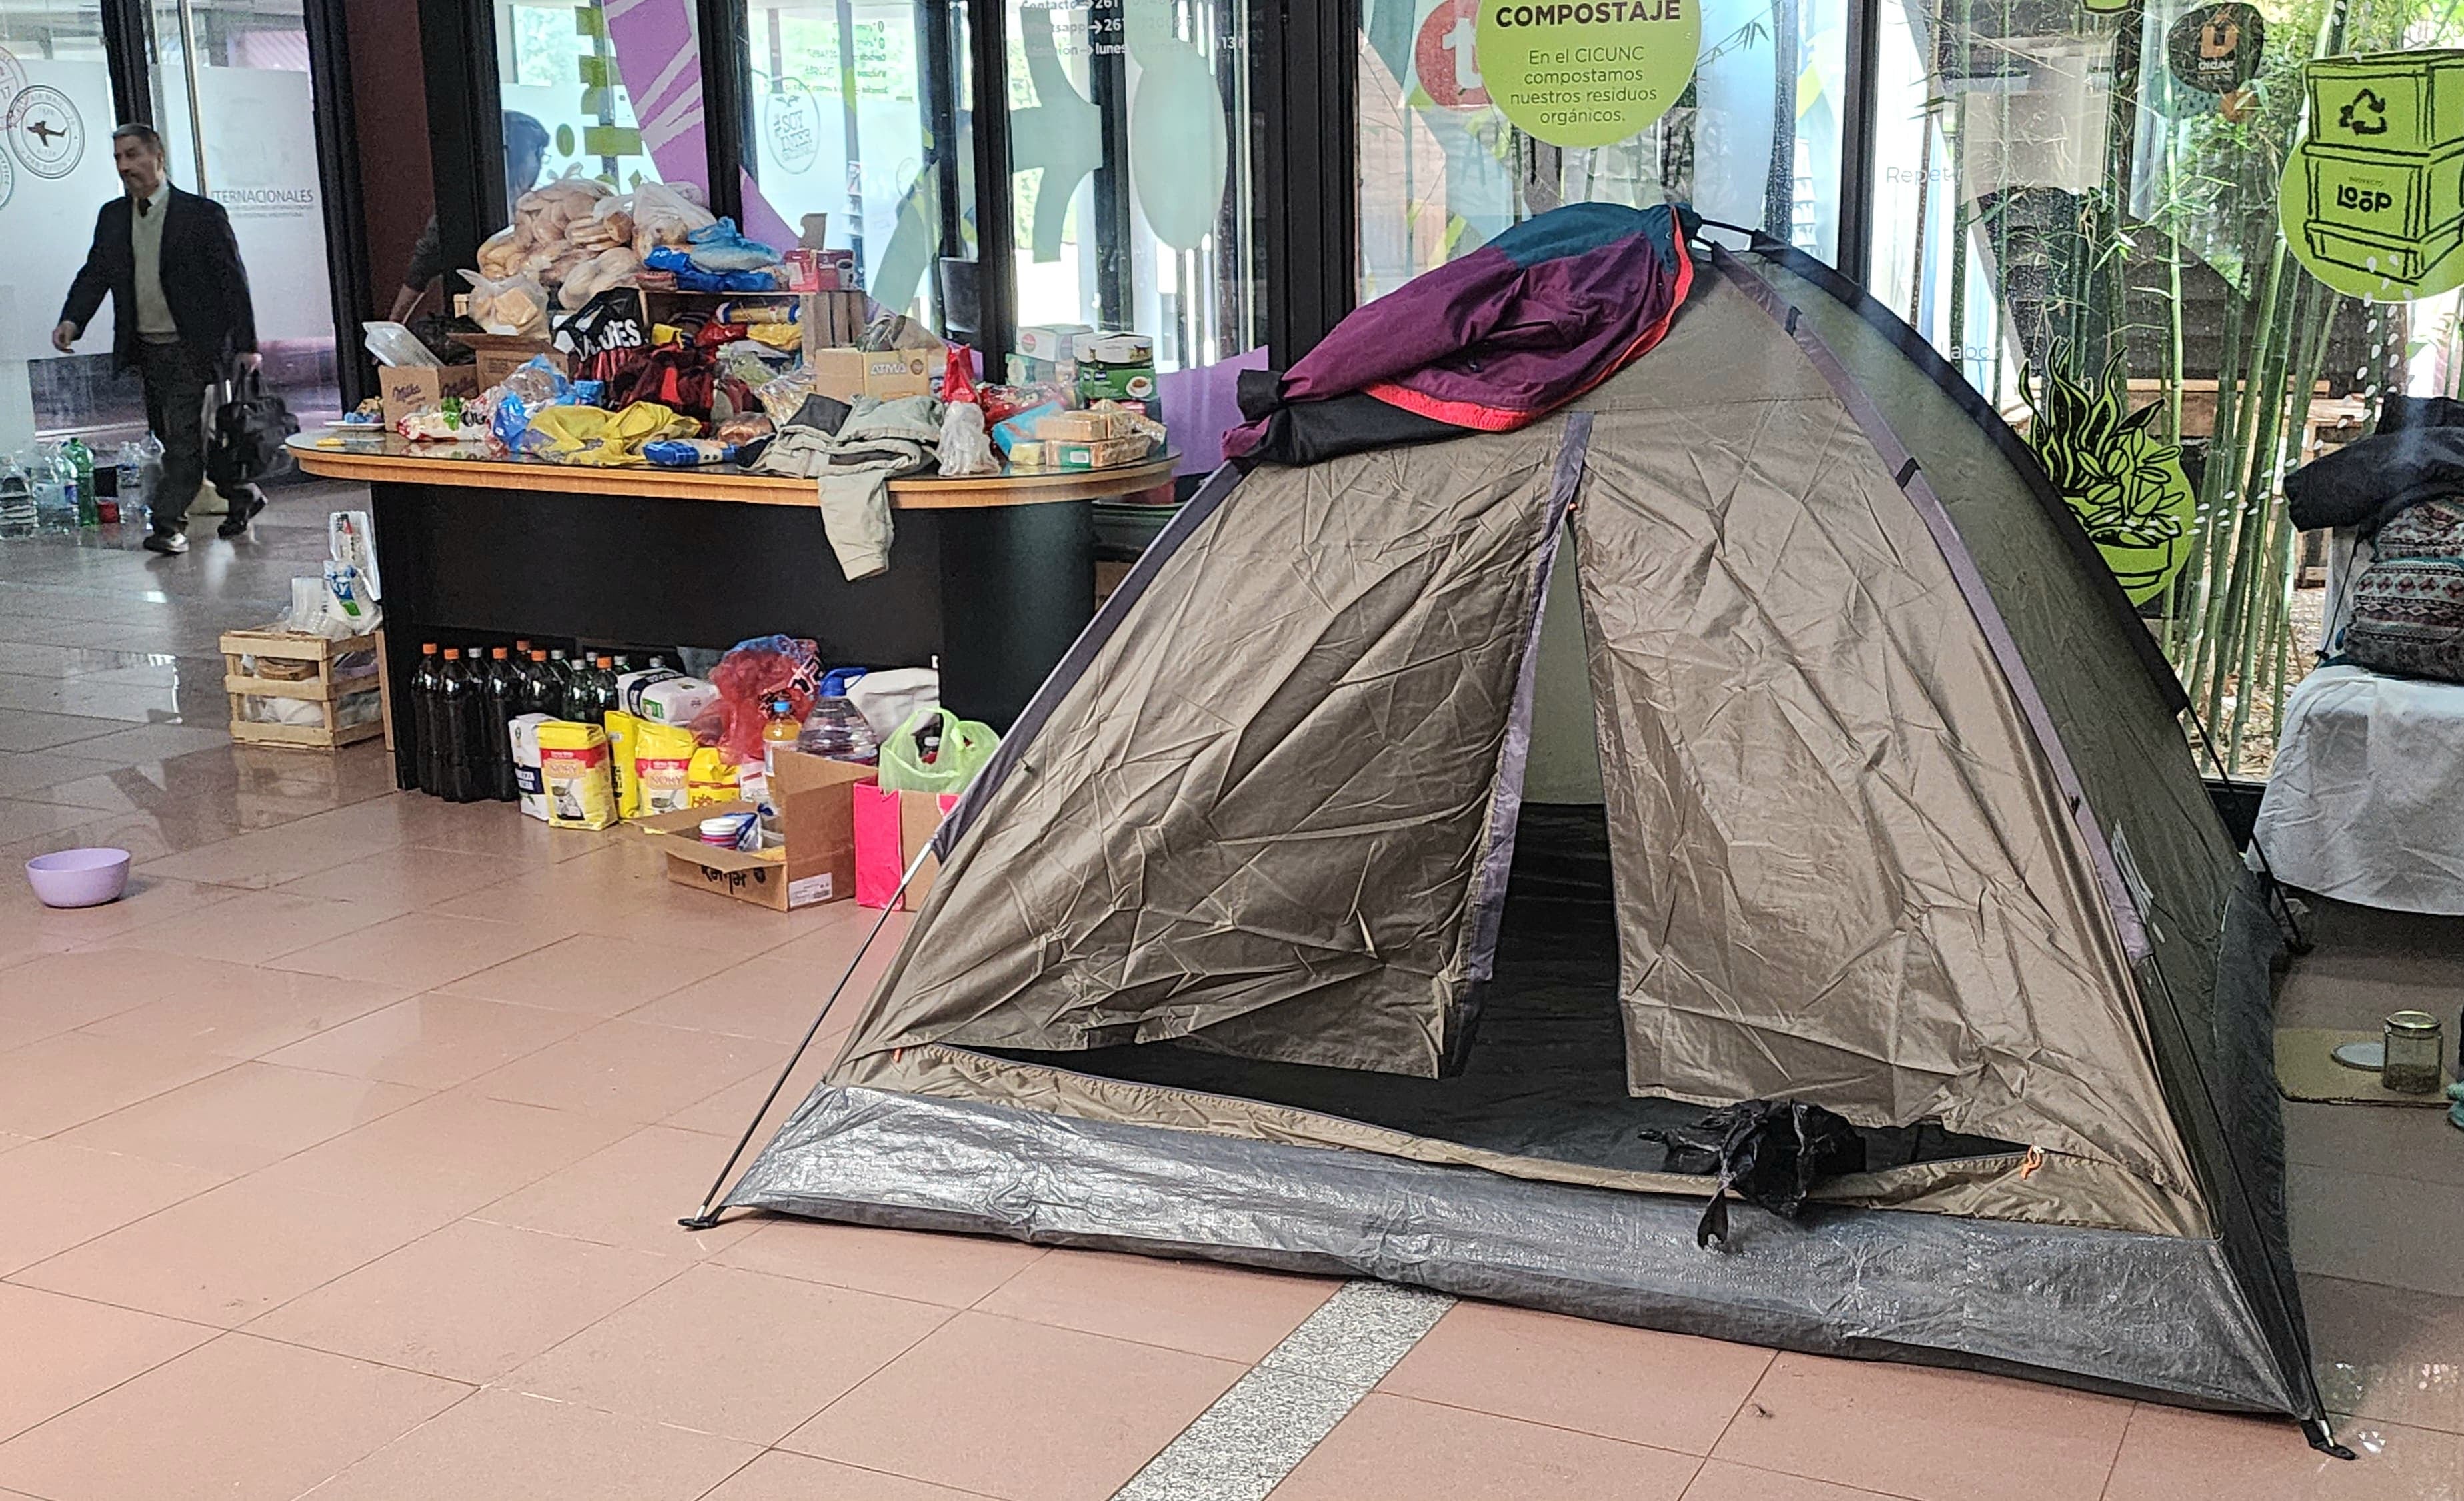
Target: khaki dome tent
1249,940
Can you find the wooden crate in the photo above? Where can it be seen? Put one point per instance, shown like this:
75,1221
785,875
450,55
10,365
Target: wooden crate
319,685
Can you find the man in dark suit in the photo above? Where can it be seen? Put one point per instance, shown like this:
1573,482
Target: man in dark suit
180,317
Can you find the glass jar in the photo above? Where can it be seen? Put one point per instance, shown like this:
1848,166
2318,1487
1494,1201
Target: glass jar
2413,1052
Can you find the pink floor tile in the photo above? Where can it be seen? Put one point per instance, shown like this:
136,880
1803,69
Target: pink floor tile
627,1069
726,1113
729,1352
242,1119
2387,1354
59,1196
64,1081
501,1446
470,1302
1928,1434
1200,1307
256,925
2174,1455
592,975
451,1153
421,951
781,1477
1021,1411
62,1350
1391,1448
230,1255
631,1194
408,878
771,999
952,1270
56,992
1721,1481
240,1011
433,1042
1671,1391
238,1418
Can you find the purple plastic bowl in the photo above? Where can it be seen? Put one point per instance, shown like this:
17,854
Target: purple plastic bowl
78,877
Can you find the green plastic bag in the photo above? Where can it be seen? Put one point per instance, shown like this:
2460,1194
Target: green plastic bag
966,746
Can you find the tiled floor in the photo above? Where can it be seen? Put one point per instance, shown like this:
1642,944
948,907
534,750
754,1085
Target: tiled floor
343,1158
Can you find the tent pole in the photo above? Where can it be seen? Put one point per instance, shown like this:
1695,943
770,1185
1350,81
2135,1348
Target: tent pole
707,1215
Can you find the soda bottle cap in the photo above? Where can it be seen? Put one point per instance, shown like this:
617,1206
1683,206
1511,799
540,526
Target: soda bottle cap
497,654
603,661
538,656
454,653
427,646
521,643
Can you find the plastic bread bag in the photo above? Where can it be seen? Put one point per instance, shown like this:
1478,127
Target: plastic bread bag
724,247
966,449
515,304
662,215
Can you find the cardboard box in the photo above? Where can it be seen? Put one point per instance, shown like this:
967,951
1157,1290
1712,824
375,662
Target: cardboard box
846,374
891,828
1048,340
815,813
405,388
502,354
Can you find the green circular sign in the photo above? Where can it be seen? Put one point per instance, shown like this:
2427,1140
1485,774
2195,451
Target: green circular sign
1587,74
2382,226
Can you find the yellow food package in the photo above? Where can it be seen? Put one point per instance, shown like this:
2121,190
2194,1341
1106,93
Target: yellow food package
663,757
622,728
573,773
710,777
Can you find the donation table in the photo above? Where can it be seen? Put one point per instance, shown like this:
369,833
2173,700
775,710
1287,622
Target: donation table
995,577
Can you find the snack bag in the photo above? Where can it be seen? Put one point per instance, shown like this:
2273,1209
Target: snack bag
663,760
573,773
622,729
709,778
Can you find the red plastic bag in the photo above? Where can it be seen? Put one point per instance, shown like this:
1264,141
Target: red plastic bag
747,678
959,376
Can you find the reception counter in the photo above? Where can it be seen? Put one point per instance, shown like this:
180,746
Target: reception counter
992,577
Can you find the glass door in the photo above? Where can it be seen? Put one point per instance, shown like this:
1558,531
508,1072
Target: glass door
233,102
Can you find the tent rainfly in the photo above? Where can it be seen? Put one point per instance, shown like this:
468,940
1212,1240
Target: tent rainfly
1249,938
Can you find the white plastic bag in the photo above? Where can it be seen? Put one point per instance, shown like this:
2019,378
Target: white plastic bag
966,447
662,215
888,697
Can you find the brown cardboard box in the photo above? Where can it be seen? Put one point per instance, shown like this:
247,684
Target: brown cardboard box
900,372
815,812
837,373
502,354
405,388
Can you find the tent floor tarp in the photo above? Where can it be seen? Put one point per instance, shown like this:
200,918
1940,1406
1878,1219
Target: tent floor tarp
1546,1077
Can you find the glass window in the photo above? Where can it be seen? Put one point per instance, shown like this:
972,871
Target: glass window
1130,154
858,114
2064,195
47,205
1754,138
558,66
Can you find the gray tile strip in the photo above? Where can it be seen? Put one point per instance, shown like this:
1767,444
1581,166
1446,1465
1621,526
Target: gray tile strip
1258,1432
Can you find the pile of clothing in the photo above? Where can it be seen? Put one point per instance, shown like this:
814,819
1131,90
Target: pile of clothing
2402,493
852,453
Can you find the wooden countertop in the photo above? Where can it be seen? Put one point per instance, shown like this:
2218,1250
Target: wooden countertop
397,460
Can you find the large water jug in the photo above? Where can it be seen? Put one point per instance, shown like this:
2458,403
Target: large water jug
17,514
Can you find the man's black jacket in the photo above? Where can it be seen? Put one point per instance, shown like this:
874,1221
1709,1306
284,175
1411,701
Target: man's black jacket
202,279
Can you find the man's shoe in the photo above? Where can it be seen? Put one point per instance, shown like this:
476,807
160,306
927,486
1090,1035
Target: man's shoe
170,542
242,512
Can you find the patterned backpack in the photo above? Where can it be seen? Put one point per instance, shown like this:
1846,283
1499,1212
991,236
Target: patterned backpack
2408,603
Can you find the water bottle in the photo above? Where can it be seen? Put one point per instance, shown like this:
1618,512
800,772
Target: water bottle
129,465
837,729
18,515
150,449
55,507
89,501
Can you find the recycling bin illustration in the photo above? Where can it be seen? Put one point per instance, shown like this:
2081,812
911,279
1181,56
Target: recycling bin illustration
2383,163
